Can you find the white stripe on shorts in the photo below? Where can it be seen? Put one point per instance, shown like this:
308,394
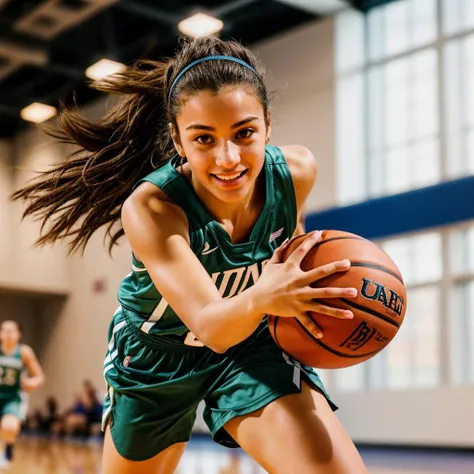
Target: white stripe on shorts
117,327
296,369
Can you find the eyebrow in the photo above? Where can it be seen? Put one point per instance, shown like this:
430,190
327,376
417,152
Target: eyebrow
198,126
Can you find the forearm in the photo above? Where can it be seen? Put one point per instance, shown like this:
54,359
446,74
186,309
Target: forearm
35,381
225,323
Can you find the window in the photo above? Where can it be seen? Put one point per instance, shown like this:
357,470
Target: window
459,105
388,133
413,358
461,307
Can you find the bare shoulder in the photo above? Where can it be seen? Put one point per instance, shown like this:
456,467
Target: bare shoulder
303,167
26,351
150,201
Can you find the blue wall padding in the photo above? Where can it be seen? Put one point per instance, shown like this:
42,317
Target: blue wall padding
445,203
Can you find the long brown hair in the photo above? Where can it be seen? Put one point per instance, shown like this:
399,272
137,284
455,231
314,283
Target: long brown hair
85,192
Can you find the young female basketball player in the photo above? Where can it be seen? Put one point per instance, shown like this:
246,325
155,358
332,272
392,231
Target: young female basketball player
14,358
182,160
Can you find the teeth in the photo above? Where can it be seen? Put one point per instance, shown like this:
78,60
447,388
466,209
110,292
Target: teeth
229,177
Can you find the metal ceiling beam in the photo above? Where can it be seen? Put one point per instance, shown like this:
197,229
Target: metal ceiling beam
148,12
231,7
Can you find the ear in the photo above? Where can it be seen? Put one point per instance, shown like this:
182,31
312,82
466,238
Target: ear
176,141
269,126
269,133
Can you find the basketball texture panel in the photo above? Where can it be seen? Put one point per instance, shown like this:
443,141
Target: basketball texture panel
378,309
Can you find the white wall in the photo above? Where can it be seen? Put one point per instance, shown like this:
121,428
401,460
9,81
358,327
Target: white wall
6,186
39,269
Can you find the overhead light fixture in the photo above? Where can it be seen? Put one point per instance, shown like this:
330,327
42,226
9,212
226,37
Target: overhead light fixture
37,112
199,25
104,68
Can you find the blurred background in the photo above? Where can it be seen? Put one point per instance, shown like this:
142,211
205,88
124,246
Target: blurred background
380,91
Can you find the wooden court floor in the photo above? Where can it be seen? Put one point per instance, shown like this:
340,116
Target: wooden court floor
36,456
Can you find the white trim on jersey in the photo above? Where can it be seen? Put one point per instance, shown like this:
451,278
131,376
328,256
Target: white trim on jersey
138,269
155,316
23,411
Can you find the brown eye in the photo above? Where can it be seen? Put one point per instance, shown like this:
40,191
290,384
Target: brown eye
245,133
203,139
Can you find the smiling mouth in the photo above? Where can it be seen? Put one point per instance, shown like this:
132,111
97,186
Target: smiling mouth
229,178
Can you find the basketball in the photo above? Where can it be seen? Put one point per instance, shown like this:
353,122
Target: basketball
379,307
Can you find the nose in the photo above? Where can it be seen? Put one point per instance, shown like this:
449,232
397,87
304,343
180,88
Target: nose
229,156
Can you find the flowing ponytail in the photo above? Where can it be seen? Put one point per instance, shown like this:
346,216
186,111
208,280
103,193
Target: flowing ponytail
76,197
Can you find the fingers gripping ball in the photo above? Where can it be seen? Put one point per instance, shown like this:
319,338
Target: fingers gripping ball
379,307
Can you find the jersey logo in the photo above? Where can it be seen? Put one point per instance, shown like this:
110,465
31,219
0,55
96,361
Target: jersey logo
207,249
276,234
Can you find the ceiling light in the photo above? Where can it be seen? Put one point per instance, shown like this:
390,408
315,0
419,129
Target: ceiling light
37,112
200,24
104,68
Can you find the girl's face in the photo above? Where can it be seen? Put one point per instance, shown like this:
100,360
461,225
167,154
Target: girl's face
9,333
223,137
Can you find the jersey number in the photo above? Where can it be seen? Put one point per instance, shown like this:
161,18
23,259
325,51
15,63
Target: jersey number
192,340
7,376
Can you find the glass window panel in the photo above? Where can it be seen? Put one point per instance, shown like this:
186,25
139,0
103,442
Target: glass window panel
375,99
424,22
453,107
397,101
376,173
468,14
375,28
350,379
451,16
426,164
457,335
457,252
399,251
457,15
468,67
425,96
461,251
469,167
470,319
427,257
399,358
470,249
397,35
425,303
349,40
397,176
350,139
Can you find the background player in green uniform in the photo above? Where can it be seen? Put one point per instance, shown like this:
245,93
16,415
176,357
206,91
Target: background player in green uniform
206,204
14,359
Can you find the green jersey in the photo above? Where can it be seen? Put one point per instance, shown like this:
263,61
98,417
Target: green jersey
11,367
233,267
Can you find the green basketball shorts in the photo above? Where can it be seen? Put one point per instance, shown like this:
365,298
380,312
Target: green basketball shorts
12,406
154,386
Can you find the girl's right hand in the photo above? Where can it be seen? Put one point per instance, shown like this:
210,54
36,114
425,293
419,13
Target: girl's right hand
285,289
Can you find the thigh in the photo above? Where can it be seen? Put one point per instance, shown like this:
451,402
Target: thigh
11,423
298,434
164,463
254,375
151,398
11,420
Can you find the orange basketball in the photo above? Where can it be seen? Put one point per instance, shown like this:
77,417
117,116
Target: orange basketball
379,307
